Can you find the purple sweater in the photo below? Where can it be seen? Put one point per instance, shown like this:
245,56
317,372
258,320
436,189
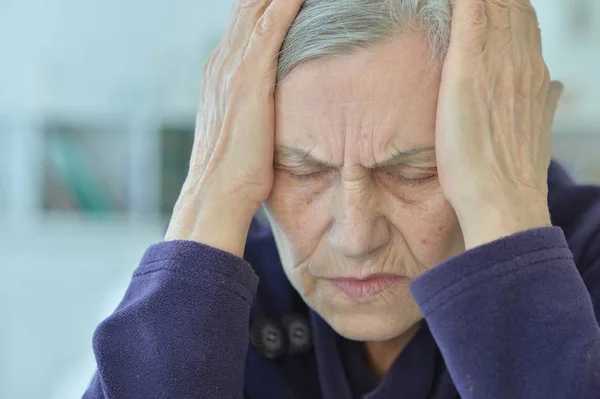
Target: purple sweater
515,318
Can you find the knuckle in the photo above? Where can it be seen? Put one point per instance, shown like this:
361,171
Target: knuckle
478,13
209,65
265,23
250,54
500,4
523,5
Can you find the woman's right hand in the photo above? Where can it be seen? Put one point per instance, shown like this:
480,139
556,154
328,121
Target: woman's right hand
231,167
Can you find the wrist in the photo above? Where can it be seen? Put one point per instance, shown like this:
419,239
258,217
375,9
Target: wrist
489,224
216,222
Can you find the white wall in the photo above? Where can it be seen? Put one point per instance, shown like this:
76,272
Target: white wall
572,52
61,52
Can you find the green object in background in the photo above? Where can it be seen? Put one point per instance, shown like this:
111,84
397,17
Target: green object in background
84,186
176,149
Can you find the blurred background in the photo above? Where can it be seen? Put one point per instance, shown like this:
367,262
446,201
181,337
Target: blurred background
97,106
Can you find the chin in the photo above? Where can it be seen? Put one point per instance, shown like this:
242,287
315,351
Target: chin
377,321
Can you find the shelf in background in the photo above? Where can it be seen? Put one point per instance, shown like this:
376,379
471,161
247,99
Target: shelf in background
84,169
176,141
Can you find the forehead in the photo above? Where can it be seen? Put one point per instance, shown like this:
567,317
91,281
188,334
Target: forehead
388,91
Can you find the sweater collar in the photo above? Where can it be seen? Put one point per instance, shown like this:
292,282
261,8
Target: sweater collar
418,372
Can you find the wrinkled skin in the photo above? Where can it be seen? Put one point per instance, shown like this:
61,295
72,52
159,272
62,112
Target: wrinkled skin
354,219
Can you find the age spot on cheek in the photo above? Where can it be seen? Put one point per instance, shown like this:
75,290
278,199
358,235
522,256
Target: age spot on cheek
444,230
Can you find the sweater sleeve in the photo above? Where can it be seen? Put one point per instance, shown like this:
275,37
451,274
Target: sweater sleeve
514,319
181,330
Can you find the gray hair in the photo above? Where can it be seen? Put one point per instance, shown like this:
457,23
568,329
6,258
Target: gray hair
325,28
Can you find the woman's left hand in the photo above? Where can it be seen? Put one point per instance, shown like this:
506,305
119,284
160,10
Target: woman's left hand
495,112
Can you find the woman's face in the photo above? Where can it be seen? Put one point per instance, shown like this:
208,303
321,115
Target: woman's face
346,204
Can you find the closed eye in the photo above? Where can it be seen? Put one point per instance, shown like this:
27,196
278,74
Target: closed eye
415,178
305,177
415,181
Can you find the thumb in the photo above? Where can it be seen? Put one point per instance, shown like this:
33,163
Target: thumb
552,100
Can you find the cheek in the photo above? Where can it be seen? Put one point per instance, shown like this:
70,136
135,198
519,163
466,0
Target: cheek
432,231
299,216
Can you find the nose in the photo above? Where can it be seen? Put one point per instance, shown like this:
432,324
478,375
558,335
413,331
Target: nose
359,229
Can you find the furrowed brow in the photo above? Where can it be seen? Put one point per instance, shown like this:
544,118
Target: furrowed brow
403,157
291,155
284,154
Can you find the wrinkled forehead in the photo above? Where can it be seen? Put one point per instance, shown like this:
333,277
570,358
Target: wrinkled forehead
389,90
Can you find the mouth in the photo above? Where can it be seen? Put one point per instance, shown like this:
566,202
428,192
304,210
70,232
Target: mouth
366,289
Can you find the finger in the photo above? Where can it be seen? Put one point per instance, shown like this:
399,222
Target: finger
243,19
554,94
553,98
272,27
499,24
469,24
524,23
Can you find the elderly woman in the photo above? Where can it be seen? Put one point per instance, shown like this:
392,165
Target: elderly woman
421,243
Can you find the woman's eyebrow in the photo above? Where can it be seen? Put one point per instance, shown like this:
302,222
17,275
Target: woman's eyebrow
403,157
299,156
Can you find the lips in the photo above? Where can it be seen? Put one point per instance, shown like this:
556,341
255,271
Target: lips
360,289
